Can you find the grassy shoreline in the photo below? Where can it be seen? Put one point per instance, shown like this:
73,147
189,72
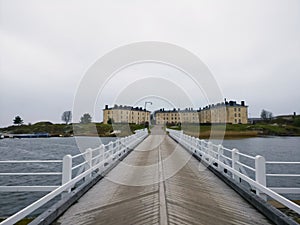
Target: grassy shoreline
230,131
227,131
78,129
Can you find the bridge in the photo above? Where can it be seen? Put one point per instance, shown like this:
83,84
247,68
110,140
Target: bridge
161,179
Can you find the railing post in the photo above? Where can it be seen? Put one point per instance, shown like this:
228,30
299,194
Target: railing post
195,144
122,145
201,145
102,159
202,149
67,170
260,174
220,153
110,150
119,147
125,143
210,151
88,158
192,145
235,159
198,145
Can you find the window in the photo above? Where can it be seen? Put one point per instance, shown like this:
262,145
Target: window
239,109
235,115
235,120
235,109
240,121
239,115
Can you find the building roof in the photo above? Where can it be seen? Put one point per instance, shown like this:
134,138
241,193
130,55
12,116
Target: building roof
191,110
227,104
125,107
187,110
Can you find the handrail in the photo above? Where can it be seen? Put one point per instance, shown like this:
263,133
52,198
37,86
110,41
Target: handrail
111,153
246,166
279,162
237,168
31,161
247,156
30,174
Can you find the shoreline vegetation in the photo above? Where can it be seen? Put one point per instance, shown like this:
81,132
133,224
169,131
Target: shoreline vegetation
232,131
288,126
229,131
274,127
69,130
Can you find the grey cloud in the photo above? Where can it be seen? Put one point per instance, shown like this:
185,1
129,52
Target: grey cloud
252,48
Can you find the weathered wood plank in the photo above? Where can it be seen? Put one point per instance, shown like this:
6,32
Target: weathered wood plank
132,192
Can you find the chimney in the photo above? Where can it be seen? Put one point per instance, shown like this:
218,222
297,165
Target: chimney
106,106
243,103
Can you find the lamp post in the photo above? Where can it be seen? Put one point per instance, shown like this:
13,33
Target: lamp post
146,112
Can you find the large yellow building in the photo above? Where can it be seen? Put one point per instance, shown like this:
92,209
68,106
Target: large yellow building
125,114
174,116
225,112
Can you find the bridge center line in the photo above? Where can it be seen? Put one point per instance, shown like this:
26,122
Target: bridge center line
163,214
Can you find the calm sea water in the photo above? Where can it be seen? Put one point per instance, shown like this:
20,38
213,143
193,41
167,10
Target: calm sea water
34,149
273,149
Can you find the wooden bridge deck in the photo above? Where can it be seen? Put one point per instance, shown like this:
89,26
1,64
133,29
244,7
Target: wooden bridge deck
159,183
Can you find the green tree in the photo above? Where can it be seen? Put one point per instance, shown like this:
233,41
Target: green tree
86,118
18,120
66,116
296,122
110,121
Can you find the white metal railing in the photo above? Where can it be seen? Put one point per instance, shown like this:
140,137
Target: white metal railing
228,160
95,160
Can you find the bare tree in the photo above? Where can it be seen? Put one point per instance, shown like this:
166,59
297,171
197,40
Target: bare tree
66,116
266,115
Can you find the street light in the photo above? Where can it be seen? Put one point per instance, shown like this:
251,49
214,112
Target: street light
146,112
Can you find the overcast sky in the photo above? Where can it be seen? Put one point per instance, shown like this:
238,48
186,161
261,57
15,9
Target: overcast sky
252,48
